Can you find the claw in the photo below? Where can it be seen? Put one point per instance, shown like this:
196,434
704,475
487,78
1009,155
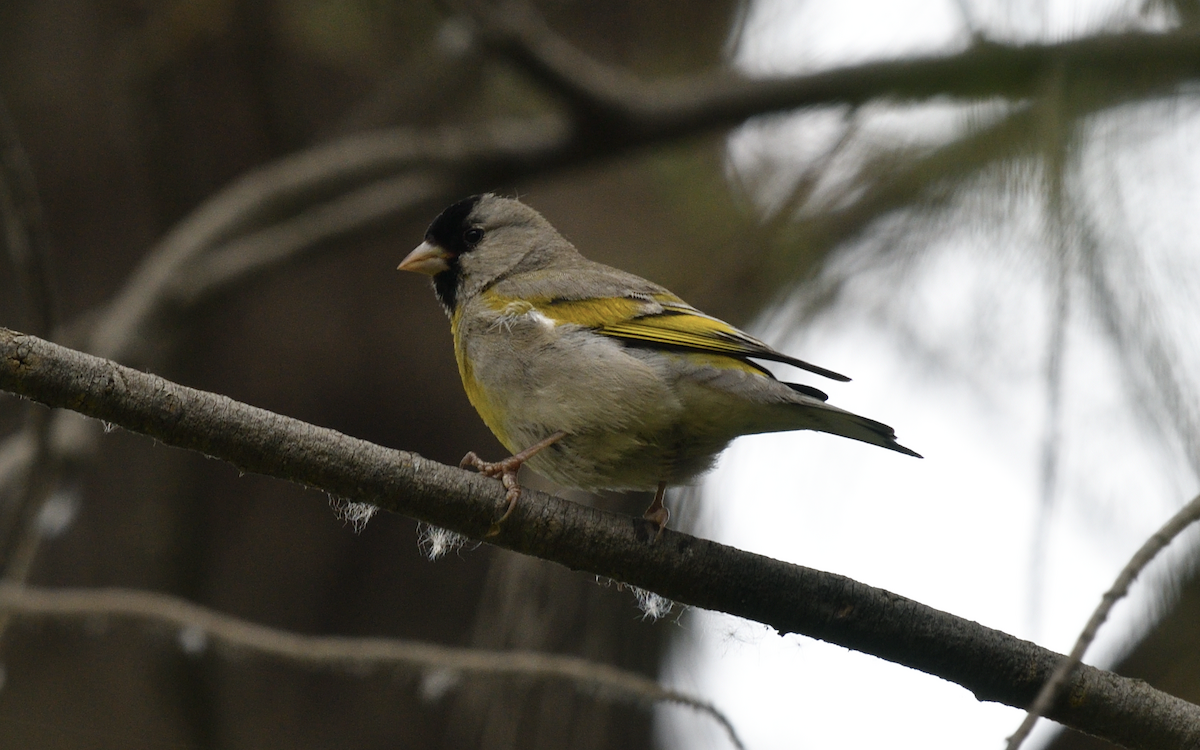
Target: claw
657,513
506,471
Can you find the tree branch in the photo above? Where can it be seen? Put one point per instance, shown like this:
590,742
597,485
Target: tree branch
993,665
635,114
603,680
349,176
1057,683
246,258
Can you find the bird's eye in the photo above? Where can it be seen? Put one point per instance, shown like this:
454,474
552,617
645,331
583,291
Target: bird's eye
472,236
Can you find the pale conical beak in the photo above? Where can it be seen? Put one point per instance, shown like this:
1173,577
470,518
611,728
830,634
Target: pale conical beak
427,259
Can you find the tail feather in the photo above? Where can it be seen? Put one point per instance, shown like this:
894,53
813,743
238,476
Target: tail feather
847,424
769,405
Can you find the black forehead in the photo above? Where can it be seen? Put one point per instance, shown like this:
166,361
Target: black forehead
446,230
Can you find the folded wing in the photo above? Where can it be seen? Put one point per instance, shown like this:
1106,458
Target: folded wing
668,321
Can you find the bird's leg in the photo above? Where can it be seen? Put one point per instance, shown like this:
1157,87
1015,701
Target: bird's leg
506,471
657,512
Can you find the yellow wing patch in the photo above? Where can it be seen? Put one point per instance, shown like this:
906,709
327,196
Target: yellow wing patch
662,319
593,313
687,328
659,319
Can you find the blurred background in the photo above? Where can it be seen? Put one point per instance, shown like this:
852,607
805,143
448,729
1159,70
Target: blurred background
1013,282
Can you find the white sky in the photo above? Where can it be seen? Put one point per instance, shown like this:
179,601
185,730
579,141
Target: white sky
955,530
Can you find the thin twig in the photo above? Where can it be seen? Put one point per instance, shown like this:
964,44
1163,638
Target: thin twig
679,567
333,191
330,191
306,181
1059,680
603,680
246,258
1119,287
784,211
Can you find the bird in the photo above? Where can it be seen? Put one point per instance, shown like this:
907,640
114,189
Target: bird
596,378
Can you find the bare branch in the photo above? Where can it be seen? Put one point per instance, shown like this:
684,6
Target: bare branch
334,191
1054,688
993,665
246,258
333,174
329,192
636,114
605,681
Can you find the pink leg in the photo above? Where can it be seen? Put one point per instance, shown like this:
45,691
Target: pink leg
506,472
657,512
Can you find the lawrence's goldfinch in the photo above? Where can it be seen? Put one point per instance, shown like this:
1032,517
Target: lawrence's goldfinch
599,379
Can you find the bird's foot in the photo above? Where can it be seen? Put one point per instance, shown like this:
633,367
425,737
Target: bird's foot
506,471
657,513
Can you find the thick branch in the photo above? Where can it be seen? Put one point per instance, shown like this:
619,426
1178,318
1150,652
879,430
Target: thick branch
993,665
1151,62
637,113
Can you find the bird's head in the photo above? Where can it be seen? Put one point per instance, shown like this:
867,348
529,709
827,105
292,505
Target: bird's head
478,240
